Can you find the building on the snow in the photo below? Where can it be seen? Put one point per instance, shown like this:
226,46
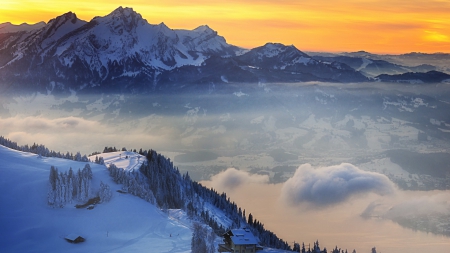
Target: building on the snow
239,240
74,238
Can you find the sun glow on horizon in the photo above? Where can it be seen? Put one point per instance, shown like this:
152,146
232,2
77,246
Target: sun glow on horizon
345,25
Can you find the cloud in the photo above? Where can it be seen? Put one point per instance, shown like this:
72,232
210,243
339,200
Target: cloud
75,134
232,178
332,185
46,125
412,206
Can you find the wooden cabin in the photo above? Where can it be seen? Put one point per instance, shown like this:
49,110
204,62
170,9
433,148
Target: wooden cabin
239,241
74,238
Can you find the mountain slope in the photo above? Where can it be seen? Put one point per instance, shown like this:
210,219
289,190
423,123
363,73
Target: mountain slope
45,204
272,62
123,52
283,60
124,224
377,64
71,53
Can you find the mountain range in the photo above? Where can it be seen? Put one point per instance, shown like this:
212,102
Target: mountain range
123,52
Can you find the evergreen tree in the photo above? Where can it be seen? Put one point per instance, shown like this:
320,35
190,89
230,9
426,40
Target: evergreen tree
296,247
53,178
250,219
198,242
104,193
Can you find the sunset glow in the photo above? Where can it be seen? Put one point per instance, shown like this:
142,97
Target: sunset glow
378,26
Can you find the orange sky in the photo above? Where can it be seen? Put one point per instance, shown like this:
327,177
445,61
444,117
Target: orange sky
378,26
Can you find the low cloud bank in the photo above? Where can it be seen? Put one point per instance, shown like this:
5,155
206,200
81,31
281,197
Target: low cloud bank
54,126
411,206
232,178
332,185
75,134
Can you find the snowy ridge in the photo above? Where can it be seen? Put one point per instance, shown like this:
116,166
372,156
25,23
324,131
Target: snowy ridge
42,36
287,53
124,223
82,54
126,160
106,229
123,51
300,66
121,35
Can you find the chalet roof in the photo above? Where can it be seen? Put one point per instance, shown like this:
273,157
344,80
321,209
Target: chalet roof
243,237
72,237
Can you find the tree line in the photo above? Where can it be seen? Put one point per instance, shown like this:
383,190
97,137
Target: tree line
158,181
41,150
67,187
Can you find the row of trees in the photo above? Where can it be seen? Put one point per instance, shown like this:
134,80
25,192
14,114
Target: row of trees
41,150
316,249
132,182
159,182
173,190
68,186
64,188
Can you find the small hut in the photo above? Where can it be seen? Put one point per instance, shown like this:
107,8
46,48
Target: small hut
74,238
239,240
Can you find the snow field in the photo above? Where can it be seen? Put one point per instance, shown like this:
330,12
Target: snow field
124,224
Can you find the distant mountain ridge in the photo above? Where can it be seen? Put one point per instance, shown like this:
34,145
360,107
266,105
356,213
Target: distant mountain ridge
416,77
373,65
123,51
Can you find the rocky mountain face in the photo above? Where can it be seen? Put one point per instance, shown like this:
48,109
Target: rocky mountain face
122,51
277,62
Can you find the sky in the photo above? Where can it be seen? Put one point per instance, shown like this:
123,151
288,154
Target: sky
377,26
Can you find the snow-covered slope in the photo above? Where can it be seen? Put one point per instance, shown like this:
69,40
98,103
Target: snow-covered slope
122,45
125,224
288,60
122,51
123,159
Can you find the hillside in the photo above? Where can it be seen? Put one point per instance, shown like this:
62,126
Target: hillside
120,223
126,223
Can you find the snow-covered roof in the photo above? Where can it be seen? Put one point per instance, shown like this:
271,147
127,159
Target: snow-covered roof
72,237
243,237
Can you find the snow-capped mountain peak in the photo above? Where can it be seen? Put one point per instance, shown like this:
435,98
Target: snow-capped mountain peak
125,18
276,56
122,47
204,29
58,27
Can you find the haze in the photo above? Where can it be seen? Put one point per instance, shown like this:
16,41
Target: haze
312,161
